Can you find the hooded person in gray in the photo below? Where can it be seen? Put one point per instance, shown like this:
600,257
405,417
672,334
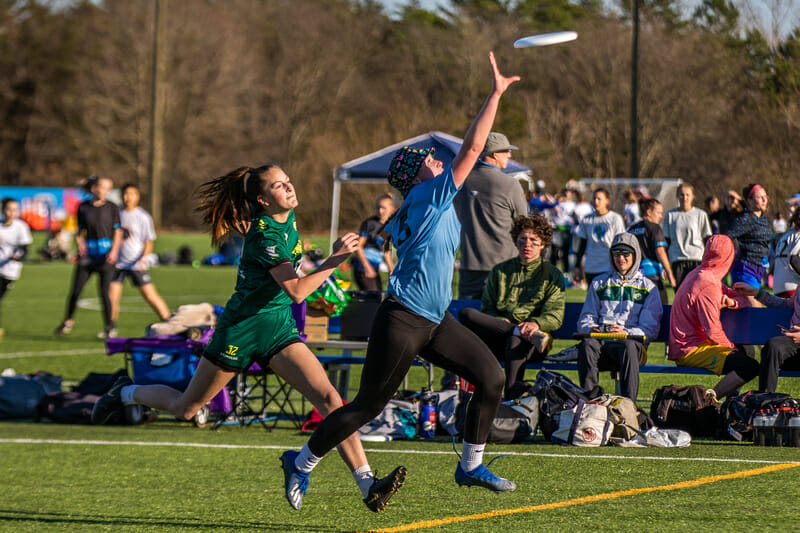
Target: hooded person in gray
621,301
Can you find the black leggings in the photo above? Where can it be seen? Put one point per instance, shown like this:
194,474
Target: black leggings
508,348
5,284
742,361
398,335
82,273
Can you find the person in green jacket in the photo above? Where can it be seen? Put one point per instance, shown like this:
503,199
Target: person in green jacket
522,302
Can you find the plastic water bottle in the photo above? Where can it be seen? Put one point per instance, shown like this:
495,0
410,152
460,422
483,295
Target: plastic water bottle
427,415
759,424
608,320
793,430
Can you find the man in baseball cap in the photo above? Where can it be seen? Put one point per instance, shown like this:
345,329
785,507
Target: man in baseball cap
486,206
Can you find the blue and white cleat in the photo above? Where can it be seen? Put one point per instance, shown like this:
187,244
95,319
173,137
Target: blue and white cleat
294,481
482,477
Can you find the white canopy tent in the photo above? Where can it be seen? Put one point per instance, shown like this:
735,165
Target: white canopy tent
372,168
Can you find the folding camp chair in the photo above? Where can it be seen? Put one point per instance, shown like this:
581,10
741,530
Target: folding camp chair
254,400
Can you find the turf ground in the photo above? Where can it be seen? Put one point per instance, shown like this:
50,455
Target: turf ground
171,476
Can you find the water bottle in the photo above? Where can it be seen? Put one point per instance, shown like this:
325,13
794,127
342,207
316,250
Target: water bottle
608,320
793,430
759,422
427,415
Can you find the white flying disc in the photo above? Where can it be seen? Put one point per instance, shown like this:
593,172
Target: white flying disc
546,39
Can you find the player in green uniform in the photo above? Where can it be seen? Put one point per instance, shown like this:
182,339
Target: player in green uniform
257,324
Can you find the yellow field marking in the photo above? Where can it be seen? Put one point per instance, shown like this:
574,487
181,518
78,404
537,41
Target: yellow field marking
586,499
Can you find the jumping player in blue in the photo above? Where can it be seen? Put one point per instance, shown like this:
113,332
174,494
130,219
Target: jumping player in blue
414,320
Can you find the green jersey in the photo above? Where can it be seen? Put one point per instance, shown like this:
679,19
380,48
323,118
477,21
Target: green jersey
267,244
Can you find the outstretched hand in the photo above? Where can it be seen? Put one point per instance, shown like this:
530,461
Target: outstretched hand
744,289
499,82
345,245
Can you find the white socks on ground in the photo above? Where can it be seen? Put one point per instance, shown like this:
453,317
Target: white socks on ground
471,456
306,461
126,394
364,479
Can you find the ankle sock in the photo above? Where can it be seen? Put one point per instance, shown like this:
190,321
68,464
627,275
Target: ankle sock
126,394
364,479
471,456
306,461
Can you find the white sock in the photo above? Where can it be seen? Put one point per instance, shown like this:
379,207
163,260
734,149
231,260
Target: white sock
471,456
364,479
126,394
516,331
306,461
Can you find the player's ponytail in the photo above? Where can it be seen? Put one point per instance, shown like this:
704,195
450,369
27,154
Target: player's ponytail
229,202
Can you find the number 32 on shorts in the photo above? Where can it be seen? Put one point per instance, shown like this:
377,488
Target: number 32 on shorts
231,350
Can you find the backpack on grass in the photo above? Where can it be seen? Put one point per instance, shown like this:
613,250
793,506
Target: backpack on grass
736,416
555,392
687,408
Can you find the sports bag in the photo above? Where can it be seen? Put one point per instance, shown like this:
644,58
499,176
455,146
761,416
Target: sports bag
736,415
398,420
687,408
623,413
586,424
19,395
516,421
555,393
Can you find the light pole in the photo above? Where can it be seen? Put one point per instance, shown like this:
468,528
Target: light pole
635,94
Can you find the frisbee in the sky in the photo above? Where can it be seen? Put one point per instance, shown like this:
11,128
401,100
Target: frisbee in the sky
546,39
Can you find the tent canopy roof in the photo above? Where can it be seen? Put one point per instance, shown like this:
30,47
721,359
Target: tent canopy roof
372,167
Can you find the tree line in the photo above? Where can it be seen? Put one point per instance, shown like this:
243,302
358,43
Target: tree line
310,84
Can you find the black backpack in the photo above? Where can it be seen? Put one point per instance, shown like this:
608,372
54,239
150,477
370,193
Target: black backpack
514,422
736,415
687,408
555,393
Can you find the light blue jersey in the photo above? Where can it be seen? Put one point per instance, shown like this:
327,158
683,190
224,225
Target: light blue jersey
426,233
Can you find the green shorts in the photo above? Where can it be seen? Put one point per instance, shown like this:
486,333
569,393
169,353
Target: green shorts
255,339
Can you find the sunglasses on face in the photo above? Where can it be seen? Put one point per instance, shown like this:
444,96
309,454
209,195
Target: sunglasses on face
625,253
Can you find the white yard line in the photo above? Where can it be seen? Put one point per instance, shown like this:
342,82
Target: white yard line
371,450
51,353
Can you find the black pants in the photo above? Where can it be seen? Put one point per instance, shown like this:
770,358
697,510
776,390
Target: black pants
681,268
560,248
662,291
367,284
398,335
471,284
83,270
509,349
779,353
623,356
5,284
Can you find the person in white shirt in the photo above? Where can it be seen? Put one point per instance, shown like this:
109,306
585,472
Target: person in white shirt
786,274
686,228
15,236
595,233
135,254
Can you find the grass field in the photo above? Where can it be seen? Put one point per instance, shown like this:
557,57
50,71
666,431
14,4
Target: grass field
171,476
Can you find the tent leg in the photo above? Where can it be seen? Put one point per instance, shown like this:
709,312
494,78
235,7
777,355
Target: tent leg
337,189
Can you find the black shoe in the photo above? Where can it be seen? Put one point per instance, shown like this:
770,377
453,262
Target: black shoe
110,402
382,489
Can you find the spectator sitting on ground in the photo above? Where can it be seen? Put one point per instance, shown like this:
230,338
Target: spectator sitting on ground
621,301
486,206
522,301
781,352
696,337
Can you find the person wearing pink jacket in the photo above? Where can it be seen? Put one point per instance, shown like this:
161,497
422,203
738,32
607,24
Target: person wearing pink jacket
696,337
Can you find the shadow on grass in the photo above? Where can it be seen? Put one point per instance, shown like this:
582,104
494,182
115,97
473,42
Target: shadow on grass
9,516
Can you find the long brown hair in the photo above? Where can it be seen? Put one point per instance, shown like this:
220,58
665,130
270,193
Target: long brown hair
229,202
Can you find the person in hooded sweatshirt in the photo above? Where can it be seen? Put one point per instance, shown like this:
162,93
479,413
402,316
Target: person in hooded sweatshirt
621,301
696,337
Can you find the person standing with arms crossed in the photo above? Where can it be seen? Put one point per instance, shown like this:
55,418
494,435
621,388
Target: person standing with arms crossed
487,206
99,238
414,320
686,229
137,244
257,325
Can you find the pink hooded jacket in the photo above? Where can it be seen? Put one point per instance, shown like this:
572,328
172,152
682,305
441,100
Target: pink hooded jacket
695,310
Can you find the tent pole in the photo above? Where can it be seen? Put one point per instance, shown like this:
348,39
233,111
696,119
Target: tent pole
337,187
